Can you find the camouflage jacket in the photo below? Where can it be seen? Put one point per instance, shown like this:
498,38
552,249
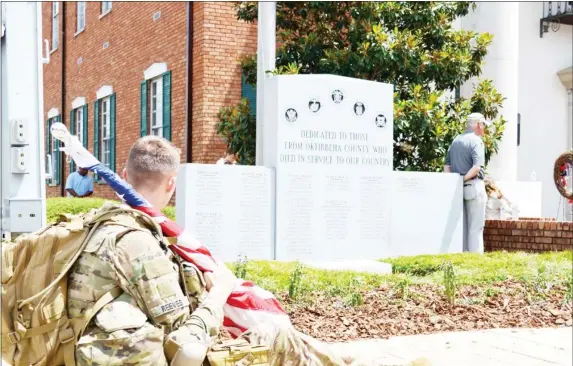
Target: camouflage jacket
147,323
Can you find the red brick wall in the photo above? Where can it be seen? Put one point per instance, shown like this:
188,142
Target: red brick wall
219,41
532,235
52,75
136,41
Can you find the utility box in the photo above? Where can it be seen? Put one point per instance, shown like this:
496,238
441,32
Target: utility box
25,215
19,132
19,157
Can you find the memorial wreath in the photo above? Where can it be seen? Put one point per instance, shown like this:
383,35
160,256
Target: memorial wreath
561,170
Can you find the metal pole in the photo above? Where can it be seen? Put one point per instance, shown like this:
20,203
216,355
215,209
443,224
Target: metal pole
22,140
266,54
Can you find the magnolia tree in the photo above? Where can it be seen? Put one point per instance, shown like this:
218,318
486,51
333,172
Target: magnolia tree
411,45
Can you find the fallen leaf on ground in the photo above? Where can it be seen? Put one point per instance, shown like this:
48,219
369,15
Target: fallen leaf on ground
382,316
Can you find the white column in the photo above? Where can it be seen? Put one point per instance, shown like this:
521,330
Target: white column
266,54
566,78
501,66
568,209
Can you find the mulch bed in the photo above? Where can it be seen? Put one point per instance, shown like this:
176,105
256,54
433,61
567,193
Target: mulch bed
385,313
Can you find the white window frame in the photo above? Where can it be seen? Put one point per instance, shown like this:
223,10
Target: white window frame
79,120
55,25
105,123
80,16
105,7
156,114
53,151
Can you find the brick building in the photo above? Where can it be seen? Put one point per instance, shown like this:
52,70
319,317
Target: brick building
121,70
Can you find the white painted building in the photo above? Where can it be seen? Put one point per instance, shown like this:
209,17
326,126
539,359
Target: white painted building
530,63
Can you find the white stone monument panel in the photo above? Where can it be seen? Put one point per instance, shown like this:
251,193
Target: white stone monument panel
427,213
228,208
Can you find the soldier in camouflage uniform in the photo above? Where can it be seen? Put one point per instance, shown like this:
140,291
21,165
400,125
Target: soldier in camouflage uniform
153,311
169,313
151,322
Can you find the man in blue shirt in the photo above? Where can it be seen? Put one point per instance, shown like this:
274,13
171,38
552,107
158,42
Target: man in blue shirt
80,184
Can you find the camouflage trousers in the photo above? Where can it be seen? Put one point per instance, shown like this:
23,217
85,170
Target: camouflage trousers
144,346
289,347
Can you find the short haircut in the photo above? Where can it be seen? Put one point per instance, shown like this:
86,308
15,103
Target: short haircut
151,158
474,119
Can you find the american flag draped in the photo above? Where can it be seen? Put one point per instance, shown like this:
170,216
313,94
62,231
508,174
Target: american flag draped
247,306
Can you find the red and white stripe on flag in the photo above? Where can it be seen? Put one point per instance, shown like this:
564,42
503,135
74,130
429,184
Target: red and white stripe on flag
248,305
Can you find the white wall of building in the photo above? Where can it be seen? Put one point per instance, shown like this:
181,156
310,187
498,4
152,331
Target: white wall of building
501,65
542,102
530,83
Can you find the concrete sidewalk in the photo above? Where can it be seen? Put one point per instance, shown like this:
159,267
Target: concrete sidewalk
523,347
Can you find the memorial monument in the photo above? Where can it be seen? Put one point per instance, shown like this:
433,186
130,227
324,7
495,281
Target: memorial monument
327,190
329,139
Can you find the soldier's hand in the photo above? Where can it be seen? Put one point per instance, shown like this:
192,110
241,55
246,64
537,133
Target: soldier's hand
209,280
220,282
212,278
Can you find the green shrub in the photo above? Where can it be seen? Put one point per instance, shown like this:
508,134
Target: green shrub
450,282
402,288
354,296
296,281
568,298
169,211
237,125
241,266
416,268
60,205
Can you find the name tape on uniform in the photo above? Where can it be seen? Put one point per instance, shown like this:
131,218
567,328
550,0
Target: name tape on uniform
170,306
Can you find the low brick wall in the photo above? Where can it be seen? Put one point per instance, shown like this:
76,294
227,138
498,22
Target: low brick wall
528,234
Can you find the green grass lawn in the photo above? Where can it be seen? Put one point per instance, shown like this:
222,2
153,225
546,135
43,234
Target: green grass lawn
474,269
470,269
59,205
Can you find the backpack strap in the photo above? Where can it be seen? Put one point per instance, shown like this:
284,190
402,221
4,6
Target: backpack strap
72,327
76,327
74,331
144,218
23,333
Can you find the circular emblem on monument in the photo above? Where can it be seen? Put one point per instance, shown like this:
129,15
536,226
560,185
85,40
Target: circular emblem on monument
291,115
359,109
337,96
314,105
380,120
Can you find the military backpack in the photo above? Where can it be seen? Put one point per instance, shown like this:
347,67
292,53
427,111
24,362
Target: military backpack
36,329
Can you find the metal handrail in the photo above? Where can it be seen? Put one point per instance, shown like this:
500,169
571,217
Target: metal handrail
554,14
